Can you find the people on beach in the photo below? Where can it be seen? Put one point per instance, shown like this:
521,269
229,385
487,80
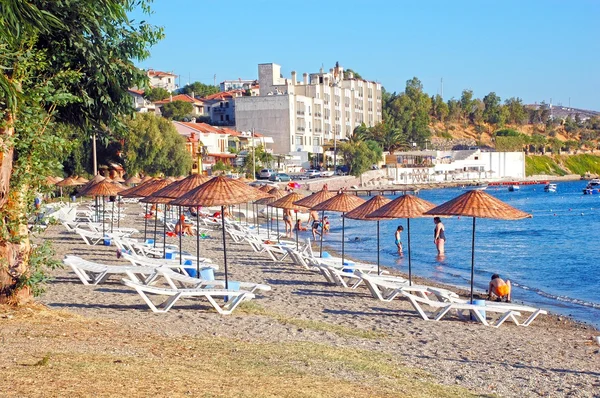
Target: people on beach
499,289
315,228
313,215
299,226
325,187
439,235
325,224
183,228
287,220
398,239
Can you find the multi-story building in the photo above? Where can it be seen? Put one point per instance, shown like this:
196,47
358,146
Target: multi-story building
164,80
302,116
239,84
221,107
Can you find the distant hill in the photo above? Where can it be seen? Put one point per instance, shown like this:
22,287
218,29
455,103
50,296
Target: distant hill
562,112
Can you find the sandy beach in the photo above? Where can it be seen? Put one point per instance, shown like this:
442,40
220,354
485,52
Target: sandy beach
553,357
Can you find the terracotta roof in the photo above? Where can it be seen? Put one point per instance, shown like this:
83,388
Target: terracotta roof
224,95
138,92
157,73
181,97
222,155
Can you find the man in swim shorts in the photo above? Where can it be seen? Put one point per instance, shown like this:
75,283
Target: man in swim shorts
398,239
499,289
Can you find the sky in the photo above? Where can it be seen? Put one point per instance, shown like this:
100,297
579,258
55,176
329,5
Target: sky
538,50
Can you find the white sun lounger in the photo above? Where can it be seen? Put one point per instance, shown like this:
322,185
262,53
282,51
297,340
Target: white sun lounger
91,273
235,297
190,282
386,287
442,308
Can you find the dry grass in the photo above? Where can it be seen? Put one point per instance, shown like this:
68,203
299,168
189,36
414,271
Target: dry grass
54,353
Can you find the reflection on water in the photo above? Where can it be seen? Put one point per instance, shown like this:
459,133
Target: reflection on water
552,257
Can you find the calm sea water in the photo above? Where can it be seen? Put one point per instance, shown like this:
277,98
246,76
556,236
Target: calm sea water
553,259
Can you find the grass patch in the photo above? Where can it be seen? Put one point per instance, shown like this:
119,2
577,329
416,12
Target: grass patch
581,164
251,308
92,358
542,165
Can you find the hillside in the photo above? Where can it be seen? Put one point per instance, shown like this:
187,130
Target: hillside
559,165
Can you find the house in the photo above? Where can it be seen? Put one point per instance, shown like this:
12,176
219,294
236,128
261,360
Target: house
140,103
200,105
160,79
207,144
221,107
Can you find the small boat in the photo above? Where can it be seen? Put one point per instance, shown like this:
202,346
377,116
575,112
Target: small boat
513,188
593,187
550,188
478,187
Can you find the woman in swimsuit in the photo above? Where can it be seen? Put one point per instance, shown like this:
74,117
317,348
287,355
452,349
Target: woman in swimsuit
439,235
287,219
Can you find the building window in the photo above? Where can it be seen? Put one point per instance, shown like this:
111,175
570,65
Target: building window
227,117
316,141
227,105
298,140
221,117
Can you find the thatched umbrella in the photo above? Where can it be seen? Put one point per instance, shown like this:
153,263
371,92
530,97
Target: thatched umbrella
82,179
105,188
174,191
274,194
343,202
288,203
84,189
118,178
478,204
132,193
313,200
362,211
132,181
68,182
221,191
405,206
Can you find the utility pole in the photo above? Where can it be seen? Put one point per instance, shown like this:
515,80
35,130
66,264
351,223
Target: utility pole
94,153
215,79
253,156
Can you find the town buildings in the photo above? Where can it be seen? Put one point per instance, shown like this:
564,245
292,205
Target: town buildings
228,85
164,80
302,116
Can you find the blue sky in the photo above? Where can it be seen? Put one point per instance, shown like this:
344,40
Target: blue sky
534,49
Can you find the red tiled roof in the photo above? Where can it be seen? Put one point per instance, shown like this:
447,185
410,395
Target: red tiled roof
138,92
180,97
222,155
208,129
157,73
224,95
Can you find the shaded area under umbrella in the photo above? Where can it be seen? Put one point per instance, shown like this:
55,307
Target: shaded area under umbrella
147,190
313,200
274,194
221,191
133,193
105,188
343,203
478,204
362,212
288,203
405,206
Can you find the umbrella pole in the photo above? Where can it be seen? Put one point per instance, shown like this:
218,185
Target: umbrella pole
268,227
180,235
112,214
472,259
224,246
257,220
277,215
119,212
145,222
297,231
165,232
343,235
409,260
155,224
246,215
378,273
197,244
322,229
102,215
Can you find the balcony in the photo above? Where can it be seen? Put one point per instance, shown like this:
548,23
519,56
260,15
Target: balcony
299,128
299,112
318,114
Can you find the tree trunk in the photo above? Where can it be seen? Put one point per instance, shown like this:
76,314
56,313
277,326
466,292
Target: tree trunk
15,247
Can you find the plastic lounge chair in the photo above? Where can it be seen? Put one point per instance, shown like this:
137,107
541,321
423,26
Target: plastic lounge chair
235,296
91,273
171,277
476,310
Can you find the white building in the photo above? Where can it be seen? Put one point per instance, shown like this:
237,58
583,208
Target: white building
228,85
164,80
302,115
460,165
140,103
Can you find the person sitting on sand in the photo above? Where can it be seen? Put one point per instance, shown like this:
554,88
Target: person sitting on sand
499,289
183,227
299,226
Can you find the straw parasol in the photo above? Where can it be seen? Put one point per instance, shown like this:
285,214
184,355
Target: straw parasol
174,191
118,178
132,192
84,189
362,211
69,182
133,180
288,202
344,203
478,204
148,189
220,191
105,188
405,206
313,200
275,193
147,178
82,179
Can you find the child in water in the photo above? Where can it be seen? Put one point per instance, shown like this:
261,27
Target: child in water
398,239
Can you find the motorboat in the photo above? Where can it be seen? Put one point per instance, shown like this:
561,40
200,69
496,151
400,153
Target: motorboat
513,188
478,187
593,187
550,188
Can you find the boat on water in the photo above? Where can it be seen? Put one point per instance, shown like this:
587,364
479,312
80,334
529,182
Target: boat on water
550,188
474,187
513,188
593,187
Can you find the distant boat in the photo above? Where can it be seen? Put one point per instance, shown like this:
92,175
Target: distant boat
550,188
481,187
513,188
593,187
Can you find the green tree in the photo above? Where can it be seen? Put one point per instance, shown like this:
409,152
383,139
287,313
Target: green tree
348,71
440,108
408,113
454,110
156,94
517,114
492,113
65,67
177,110
467,104
200,89
153,146
360,155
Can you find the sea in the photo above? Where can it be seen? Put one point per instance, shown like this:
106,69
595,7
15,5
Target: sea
552,259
